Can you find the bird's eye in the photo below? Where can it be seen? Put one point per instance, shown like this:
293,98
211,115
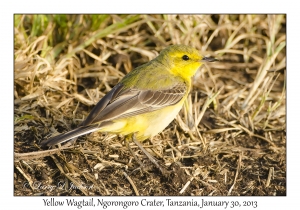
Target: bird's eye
185,57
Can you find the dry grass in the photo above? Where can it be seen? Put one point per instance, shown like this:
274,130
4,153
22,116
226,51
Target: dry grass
230,138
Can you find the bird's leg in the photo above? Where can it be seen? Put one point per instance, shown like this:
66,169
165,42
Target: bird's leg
135,157
151,158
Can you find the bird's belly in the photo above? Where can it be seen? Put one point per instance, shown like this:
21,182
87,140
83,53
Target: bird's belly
161,121
149,124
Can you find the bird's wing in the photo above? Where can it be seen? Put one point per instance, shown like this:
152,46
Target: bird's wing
123,102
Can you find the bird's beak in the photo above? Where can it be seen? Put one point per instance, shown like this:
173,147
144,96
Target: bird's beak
209,59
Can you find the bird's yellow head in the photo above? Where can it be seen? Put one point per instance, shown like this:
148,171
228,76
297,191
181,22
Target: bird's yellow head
182,60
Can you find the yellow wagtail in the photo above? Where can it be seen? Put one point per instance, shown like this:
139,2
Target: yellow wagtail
146,100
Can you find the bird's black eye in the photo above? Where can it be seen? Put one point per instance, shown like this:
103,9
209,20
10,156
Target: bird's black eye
185,57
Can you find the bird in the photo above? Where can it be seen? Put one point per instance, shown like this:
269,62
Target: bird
146,100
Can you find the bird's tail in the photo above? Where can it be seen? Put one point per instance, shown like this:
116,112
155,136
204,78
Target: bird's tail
70,135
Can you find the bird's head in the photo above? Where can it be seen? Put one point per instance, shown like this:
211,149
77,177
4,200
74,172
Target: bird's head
183,60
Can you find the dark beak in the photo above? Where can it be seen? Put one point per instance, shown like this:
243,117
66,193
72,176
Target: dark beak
209,59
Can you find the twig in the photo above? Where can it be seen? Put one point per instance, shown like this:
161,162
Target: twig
270,175
38,154
30,182
237,173
132,184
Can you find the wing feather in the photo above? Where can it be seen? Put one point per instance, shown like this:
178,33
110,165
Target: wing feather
126,102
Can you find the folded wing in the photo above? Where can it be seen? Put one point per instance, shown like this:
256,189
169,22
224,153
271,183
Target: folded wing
123,102
130,102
